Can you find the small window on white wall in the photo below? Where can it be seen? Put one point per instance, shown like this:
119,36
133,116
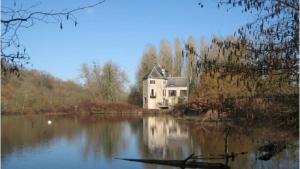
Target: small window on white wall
152,81
172,92
183,93
152,95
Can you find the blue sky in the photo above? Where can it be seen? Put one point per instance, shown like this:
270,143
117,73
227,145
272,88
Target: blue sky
119,30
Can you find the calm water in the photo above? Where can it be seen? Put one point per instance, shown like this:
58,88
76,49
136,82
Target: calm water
93,142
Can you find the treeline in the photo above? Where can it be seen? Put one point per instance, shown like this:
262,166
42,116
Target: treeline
214,70
34,91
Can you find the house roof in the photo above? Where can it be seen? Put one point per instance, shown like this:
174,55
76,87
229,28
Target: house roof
156,73
177,82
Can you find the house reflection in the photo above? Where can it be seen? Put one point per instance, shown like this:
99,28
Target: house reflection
160,134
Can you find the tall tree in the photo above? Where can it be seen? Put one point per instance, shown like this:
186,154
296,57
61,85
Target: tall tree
191,64
96,86
89,74
149,59
178,58
113,82
166,57
86,75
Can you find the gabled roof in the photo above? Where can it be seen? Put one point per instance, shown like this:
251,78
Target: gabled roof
177,82
156,73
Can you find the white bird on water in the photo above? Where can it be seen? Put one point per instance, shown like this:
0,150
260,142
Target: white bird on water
49,122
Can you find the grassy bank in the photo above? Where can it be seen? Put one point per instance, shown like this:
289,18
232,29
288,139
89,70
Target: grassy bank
85,107
90,108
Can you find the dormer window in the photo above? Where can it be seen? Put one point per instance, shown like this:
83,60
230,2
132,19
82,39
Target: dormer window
152,81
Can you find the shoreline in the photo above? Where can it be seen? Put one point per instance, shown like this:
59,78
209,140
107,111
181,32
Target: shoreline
279,112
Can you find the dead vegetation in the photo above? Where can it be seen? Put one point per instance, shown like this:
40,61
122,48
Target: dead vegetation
280,111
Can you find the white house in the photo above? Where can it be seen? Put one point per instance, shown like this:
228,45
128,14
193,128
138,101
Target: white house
161,91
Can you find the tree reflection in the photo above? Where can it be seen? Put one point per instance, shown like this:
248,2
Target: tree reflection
21,133
161,137
210,139
104,138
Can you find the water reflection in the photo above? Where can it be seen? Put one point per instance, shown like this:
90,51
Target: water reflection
161,134
93,142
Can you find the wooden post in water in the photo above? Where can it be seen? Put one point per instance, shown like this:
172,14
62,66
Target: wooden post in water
226,145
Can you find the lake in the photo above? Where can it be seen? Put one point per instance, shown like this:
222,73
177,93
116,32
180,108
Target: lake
30,142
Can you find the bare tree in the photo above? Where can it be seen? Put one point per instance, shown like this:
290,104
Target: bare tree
270,41
149,59
191,57
166,57
178,58
91,76
15,18
113,82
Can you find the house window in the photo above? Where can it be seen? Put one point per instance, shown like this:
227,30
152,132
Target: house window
183,93
145,100
152,94
164,92
152,81
172,92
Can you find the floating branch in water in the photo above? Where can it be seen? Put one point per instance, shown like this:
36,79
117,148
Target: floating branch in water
219,156
181,163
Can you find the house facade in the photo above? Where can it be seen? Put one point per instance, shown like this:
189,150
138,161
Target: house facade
161,91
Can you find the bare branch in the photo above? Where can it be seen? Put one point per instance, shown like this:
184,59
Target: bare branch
13,53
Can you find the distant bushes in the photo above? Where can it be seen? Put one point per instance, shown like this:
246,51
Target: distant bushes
37,92
34,91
